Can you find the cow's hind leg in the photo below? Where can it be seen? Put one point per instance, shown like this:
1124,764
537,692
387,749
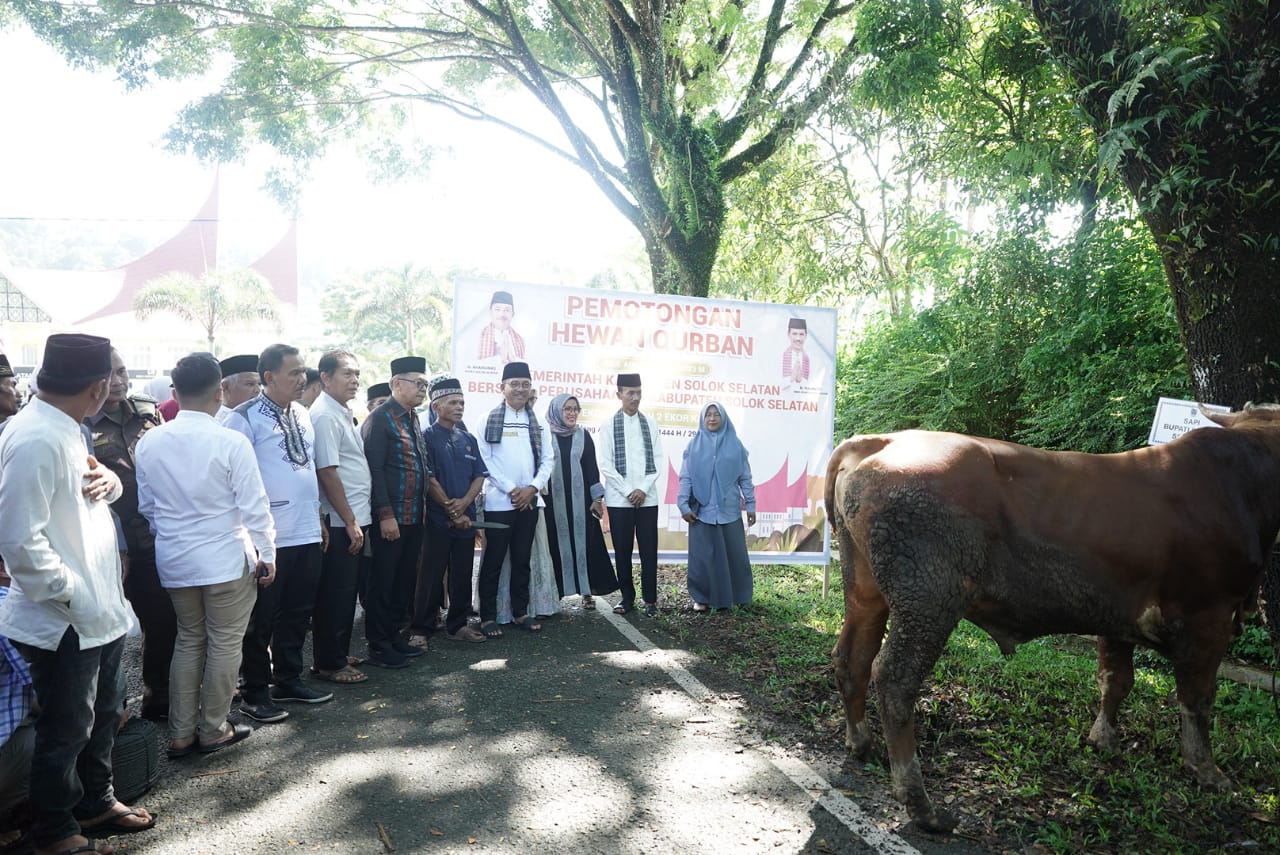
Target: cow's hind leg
865,615
915,642
1115,681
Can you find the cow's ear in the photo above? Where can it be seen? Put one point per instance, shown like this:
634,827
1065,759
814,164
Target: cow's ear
1224,419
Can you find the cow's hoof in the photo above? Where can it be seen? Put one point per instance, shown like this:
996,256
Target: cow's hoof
934,819
1102,735
858,740
1210,777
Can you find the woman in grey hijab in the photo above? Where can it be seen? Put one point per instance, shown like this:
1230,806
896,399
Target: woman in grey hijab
574,506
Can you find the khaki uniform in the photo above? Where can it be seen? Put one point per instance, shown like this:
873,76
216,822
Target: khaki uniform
115,437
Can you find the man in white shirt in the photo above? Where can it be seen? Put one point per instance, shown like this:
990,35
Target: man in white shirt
345,485
280,431
66,611
632,463
520,456
240,383
199,486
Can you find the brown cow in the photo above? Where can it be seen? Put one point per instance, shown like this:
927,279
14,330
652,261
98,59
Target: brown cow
1162,547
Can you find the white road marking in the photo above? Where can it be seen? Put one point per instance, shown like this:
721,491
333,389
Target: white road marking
800,773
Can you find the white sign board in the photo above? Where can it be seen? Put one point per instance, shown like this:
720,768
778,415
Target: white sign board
1175,417
778,386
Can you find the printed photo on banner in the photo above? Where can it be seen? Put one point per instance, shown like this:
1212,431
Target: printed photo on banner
770,366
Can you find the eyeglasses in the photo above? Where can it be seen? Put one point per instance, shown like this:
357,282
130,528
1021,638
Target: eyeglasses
573,409
421,384
519,384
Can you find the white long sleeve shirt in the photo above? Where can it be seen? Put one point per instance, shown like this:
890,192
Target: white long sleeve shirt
618,486
510,461
59,547
200,488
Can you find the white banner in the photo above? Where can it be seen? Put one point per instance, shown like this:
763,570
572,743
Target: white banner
775,380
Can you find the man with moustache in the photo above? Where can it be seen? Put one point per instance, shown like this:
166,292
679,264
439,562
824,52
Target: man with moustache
457,476
345,485
397,457
115,431
280,431
520,455
240,383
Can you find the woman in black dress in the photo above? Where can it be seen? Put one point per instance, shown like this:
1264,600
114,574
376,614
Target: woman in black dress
574,505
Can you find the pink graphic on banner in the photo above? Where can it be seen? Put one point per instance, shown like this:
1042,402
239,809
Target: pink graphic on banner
772,496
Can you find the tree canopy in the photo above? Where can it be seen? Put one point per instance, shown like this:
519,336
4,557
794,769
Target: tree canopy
661,103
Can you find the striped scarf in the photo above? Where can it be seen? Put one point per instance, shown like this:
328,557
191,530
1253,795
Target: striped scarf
620,445
497,419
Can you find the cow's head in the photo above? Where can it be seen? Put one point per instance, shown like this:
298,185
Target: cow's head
1253,415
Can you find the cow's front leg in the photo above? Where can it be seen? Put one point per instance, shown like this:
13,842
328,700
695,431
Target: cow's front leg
1115,681
1196,689
1195,654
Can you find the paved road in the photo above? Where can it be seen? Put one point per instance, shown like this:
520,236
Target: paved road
583,738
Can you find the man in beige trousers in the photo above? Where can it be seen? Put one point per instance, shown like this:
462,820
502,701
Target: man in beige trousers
200,488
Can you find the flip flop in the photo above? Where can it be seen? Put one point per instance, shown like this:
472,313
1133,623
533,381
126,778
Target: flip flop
528,624
589,603
112,825
466,633
90,845
622,608
344,676
490,629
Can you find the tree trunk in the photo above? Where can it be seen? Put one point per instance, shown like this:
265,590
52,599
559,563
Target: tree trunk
1228,309
1190,127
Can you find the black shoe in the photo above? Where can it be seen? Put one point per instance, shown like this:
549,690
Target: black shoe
651,609
407,650
297,692
387,659
158,712
264,710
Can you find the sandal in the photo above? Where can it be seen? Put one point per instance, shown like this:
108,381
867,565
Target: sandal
528,624
589,603
622,608
418,640
344,676
114,824
489,629
467,633
701,608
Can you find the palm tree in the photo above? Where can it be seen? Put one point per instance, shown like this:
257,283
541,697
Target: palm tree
404,307
213,300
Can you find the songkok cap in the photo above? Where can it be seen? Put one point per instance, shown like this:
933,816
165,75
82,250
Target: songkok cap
516,370
379,390
797,324
502,297
628,381
444,385
5,369
409,365
234,365
75,358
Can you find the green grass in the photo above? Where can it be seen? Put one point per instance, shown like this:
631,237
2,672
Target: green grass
1007,736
